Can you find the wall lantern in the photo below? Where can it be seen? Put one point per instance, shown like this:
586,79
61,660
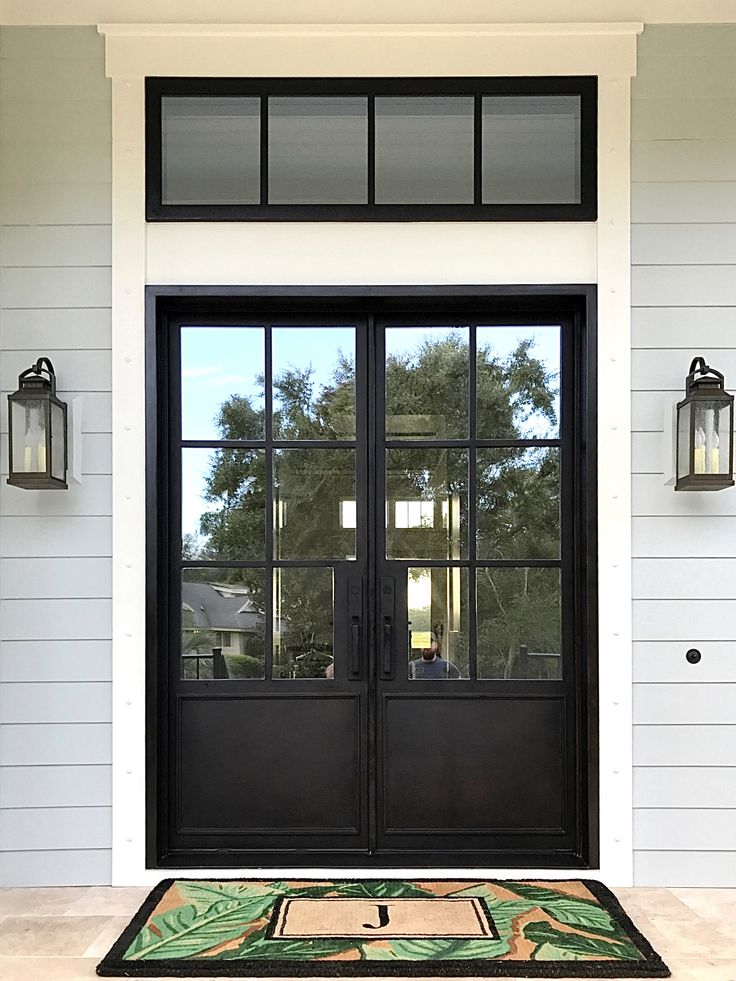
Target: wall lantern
37,426
704,431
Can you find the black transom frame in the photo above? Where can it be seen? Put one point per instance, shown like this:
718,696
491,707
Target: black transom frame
586,87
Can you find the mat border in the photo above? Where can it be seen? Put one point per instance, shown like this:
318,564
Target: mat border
113,965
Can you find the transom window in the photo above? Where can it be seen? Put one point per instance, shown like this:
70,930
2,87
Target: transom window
371,149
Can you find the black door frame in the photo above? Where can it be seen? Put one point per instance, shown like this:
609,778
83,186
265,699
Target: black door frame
573,301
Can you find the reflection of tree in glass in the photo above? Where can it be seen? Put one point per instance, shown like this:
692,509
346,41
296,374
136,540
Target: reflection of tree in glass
518,493
518,623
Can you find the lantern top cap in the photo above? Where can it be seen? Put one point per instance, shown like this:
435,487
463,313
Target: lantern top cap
702,376
40,376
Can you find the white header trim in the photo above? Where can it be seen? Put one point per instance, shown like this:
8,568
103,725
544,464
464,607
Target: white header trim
446,30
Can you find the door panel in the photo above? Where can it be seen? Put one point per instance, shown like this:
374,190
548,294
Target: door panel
272,765
456,764
375,575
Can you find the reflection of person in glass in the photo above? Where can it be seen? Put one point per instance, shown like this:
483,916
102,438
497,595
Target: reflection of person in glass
431,665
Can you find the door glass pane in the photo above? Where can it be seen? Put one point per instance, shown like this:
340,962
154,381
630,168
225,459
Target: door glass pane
222,617
426,504
519,623
531,149
223,504
222,383
518,382
318,150
518,511
426,382
313,382
303,635
313,494
210,150
424,150
437,602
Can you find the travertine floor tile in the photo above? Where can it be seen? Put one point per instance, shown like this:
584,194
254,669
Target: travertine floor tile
101,900
39,902
49,936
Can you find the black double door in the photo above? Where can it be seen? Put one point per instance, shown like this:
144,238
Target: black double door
376,650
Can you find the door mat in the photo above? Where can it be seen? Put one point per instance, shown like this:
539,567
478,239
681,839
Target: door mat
382,927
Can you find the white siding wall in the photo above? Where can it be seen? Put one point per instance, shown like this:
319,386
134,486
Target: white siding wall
55,592
684,304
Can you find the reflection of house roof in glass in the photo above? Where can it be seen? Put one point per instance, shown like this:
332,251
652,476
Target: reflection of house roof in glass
219,607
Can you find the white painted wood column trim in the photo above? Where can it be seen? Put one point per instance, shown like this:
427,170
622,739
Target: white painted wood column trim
129,480
606,50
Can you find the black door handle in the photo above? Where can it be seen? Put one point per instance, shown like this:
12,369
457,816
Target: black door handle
355,651
386,614
355,640
388,646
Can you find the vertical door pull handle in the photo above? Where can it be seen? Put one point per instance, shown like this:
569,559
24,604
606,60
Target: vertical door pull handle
355,652
388,637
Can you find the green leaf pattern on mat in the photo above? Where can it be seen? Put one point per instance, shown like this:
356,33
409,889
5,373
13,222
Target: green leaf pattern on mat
215,914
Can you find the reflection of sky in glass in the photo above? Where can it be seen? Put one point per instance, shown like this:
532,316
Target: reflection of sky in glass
501,342
217,362
195,465
311,347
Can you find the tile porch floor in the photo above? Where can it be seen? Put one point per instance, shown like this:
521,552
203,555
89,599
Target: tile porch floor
61,934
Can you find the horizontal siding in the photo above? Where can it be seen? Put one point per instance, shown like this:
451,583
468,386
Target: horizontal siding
40,701
685,786
40,287
56,660
687,829
676,744
664,661
685,579
82,161
683,160
58,245
55,566
56,786
54,122
686,703
673,327
44,537
44,743
677,536
59,203
685,868
60,329
665,370
683,242
78,371
81,867
684,245
57,827
55,578
695,285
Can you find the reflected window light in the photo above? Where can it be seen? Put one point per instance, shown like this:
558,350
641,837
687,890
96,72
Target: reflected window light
414,514
348,514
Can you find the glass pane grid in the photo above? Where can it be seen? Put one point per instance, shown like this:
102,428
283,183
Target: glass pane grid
355,150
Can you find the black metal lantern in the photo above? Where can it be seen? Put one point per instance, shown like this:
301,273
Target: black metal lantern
704,431
37,427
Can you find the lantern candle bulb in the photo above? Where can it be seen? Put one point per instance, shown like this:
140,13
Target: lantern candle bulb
699,455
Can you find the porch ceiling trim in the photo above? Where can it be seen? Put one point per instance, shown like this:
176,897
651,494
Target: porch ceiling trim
52,12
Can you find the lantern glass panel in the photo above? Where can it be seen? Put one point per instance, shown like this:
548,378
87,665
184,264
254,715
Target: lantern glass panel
29,429
711,436
57,442
683,440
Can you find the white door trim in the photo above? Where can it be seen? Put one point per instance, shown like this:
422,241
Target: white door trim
597,252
